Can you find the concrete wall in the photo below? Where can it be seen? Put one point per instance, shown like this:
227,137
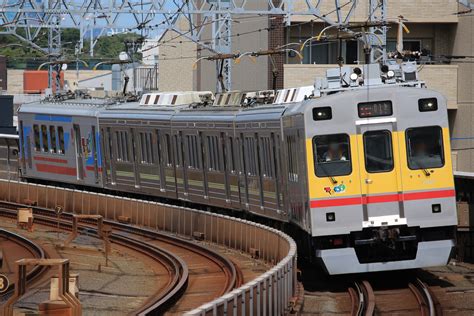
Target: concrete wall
462,129
176,59
414,10
247,75
15,78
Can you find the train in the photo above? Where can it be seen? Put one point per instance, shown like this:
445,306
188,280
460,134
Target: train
357,164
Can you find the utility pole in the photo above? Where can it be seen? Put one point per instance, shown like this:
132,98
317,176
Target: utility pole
378,34
222,43
54,45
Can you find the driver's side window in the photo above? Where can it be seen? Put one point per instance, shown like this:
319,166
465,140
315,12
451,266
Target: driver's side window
332,155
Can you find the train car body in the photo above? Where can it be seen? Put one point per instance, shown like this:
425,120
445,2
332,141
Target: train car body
364,171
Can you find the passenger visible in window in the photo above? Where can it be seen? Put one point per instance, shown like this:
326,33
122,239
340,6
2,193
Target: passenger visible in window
425,147
334,153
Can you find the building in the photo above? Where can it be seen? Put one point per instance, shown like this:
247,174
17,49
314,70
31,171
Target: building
435,27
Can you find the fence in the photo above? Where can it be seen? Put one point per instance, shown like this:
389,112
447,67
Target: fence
269,294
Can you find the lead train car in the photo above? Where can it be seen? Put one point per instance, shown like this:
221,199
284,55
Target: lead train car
366,176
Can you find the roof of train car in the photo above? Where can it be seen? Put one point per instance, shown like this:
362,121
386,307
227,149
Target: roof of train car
78,107
133,110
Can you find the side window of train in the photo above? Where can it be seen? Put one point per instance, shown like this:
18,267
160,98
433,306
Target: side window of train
292,148
52,133
378,151
44,136
122,146
177,151
61,140
332,155
194,160
268,165
250,155
168,150
231,155
425,147
147,151
37,137
213,157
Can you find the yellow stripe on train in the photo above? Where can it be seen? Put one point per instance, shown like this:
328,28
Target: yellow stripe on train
401,178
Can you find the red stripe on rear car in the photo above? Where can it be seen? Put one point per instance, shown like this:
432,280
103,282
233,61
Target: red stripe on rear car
57,160
383,198
56,169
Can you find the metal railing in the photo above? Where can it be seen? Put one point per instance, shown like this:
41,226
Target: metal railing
269,294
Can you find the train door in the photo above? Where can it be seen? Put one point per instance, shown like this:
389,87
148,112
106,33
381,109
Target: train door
109,157
23,151
232,172
225,160
95,155
169,166
160,154
380,183
181,175
135,160
243,188
79,156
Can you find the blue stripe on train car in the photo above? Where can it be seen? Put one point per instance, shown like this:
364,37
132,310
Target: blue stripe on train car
53,118
99,152
66,141
26,133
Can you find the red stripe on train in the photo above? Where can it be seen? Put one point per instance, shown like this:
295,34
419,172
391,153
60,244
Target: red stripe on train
57,160
383,198
56,169
91,168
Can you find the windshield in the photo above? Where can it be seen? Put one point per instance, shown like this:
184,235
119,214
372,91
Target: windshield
378,151
425,147
332,155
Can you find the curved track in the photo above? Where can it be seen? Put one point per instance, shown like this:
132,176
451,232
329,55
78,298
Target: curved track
35,250
364,302
153,244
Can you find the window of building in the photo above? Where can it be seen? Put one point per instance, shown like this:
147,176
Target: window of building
332,155
37,137
378,151
44,138
52,133
425,147
408,45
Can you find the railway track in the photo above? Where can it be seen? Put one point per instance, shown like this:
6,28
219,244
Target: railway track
364,300
154,245
28,246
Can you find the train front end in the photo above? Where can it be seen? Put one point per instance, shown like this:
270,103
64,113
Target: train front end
380,179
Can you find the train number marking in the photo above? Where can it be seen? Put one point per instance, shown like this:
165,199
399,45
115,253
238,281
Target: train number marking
4,283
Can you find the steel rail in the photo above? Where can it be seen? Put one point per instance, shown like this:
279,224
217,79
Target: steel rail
366,299
272,292
233,275
37,271
177,268
429,306
229,269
